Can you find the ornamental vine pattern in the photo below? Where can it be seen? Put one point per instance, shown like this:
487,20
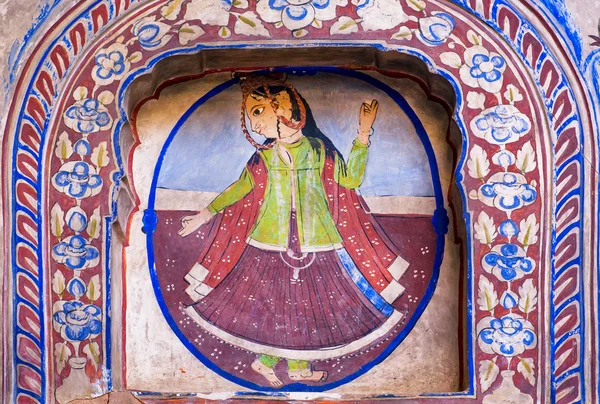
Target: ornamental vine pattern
503,186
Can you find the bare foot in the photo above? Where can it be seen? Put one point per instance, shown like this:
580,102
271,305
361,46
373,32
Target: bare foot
267,372
308,375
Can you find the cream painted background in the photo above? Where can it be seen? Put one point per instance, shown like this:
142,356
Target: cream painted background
426,361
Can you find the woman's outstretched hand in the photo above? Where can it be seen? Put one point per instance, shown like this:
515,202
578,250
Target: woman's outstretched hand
190,224
366,117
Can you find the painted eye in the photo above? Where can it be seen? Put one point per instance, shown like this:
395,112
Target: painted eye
258,111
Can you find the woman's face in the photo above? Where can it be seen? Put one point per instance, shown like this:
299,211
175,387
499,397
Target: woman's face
264,120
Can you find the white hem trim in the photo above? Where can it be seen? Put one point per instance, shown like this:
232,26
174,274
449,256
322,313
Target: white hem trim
297,354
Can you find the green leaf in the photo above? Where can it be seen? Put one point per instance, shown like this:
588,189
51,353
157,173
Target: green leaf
347,25
247,21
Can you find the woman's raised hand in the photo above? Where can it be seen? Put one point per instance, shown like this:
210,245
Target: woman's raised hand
190,224
366,117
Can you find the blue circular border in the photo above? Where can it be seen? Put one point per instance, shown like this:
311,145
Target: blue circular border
439,221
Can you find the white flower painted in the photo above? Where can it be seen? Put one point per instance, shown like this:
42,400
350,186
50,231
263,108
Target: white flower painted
508,336
296,14
88,116
209,12
507,192
112,64
483,69
380,14
501,124
478,163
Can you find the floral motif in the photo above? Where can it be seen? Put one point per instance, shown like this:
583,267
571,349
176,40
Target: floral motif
380,14
88,116
151,34
508,228
76,253
508,336
507,262
436,29
77,179
504,158
501,124
483,69
296,14
111,64
78,321
209,12
507,192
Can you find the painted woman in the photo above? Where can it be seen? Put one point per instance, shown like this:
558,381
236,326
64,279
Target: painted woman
293,266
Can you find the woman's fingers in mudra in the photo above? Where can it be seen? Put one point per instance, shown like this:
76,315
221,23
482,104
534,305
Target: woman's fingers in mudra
188,225
368,112
370,108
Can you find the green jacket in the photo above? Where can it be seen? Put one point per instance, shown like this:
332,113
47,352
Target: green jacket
297,184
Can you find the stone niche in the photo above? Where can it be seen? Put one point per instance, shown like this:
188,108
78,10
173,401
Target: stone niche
367,297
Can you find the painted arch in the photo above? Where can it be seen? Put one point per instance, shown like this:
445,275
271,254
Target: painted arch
63,170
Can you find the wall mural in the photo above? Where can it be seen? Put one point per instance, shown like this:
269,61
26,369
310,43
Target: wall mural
503,174
293,266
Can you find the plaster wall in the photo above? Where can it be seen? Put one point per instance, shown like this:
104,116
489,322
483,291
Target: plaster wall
16,19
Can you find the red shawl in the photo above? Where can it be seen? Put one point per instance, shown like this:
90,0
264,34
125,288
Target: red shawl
363,238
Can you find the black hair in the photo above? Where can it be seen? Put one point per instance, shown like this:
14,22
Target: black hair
310,128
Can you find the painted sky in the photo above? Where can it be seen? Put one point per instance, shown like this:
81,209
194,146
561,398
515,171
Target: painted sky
209,152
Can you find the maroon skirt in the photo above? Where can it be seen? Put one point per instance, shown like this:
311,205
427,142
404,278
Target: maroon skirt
265,300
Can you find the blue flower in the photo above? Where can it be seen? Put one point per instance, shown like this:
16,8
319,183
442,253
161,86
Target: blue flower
88,116
111,64
507,192
508,228
507,262
78,321
76,253
296,14
150,33
78,180
82,147
435,30
508,336
504,158
509,299
76,287
500,125
483,69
